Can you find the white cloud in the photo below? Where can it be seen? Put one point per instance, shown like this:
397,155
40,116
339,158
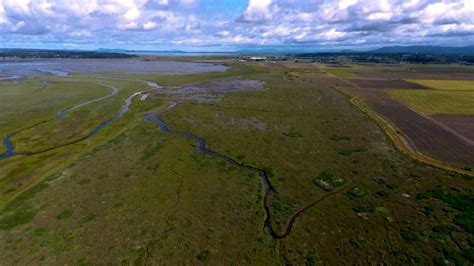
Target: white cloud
272,22
17,6
346,3
132,14
257,10
3,18
150,25
331,35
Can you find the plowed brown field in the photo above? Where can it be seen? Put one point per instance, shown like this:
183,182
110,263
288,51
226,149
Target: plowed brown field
462,124
429,137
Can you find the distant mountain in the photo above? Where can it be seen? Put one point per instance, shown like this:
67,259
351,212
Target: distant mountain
40,53
260,51
426,50
271,50
107,50
350,51
111,50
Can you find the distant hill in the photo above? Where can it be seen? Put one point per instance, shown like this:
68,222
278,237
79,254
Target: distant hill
125,51
426,50
38,53
107,50
260,51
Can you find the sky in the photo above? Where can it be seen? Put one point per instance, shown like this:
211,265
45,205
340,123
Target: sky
228,25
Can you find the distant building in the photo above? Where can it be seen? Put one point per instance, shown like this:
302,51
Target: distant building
258,58
270,58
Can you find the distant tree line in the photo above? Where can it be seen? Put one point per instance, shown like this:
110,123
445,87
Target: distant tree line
49,54
386,58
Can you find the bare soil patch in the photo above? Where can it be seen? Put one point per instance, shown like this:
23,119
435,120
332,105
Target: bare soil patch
210,91
220,86
387,84
398,74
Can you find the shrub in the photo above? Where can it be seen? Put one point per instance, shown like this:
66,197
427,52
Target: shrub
349,152
64,214
382,193
468,254
293,134
356,192
204,255
392,186
460,202
19,217
339,138
87,218
443,229
328,181
408,235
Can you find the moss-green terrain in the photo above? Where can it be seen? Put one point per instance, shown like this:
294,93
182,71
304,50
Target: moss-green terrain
133,194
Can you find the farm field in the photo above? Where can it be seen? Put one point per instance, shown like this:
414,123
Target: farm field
415,72
451,85
257,164
437,101
432,120
463,124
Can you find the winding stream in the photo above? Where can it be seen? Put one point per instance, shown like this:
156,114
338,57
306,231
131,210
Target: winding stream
267,186
10,78
10,148
124,109
201,145
114,91
56,72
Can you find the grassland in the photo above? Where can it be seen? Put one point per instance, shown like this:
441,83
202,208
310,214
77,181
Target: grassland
450,85
341,72
437,101
79,122
136,195
38,99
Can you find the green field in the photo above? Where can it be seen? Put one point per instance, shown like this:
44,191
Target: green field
449,85
437,101
133,194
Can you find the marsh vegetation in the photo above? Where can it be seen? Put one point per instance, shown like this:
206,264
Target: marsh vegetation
262,163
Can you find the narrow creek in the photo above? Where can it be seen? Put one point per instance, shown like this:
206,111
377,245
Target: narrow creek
55,72
10,148
124,109
201,145
114,91
267,186
9,78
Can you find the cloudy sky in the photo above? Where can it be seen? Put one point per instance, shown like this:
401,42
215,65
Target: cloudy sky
234,24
